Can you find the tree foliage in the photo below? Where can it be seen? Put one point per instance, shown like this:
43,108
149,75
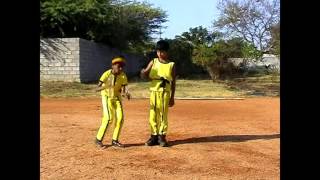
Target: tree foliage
121,24
250,19
181,53
275,39
199,35
215,59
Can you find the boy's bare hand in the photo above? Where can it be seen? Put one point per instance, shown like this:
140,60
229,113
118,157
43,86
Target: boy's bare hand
142,73
99,89
128,96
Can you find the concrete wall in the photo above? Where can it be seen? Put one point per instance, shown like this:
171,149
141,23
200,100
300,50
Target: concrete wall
59,59
74,59
96,58
272,62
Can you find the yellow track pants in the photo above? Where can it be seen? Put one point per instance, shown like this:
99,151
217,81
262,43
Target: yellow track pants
112,111
158,119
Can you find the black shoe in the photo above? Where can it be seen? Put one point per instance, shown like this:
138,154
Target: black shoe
117,144
152,141
98,143
162,141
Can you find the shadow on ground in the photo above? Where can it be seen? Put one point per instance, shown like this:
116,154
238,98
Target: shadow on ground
224,138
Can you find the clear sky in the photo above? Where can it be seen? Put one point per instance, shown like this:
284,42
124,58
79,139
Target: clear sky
185,14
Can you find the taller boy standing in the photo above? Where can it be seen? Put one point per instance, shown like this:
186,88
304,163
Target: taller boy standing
162,75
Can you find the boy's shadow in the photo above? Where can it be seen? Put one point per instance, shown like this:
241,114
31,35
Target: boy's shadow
225,138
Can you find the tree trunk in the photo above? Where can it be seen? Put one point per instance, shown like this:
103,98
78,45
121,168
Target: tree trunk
211,72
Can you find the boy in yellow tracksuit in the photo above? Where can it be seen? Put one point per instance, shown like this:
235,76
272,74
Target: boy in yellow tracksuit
162,75
112,84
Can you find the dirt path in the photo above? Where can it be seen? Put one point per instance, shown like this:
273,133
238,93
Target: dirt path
210,139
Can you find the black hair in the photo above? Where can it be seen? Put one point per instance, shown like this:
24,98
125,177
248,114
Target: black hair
162,45
118,56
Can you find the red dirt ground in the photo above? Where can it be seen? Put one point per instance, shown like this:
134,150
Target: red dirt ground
210,139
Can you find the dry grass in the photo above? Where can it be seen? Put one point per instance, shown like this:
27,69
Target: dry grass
240,87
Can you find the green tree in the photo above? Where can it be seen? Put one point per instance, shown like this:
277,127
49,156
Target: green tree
181,53
199,35
121,24
182,47
249,51
275,39
250,19
215,58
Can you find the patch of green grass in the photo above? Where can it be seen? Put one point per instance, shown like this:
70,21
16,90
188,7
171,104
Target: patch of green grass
203,88
268,85
67,89
139,89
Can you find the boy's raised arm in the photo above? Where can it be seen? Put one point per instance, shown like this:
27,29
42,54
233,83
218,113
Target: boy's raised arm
144,72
